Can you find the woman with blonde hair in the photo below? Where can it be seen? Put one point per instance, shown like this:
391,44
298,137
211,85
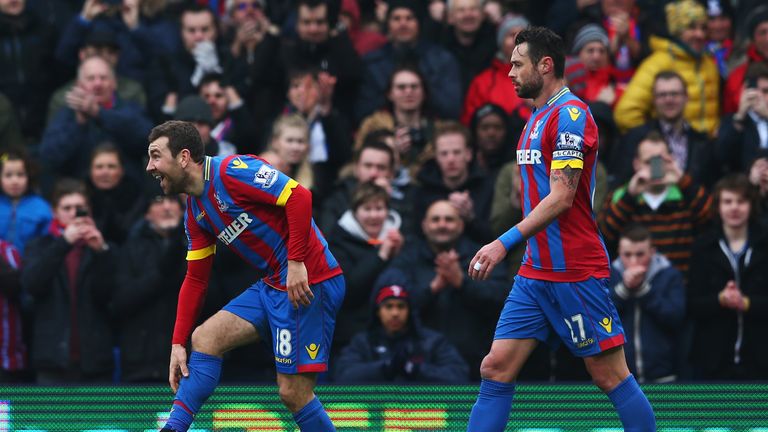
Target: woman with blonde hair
289,149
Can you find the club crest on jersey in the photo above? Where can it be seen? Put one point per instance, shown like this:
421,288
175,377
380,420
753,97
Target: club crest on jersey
535,133
569,141
265,177
528,157
222,205
235,228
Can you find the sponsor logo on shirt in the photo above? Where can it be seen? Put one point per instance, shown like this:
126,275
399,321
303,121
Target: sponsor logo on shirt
234,229
607,324
265,177
528,157
574,113
312,350
237,163
283,360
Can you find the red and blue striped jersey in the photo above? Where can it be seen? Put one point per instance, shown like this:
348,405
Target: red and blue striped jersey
559,134
243,205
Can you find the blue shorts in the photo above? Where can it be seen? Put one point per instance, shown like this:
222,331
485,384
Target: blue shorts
301,337
580,314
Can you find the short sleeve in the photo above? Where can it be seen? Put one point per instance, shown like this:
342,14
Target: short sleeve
200,243
251,178
571,142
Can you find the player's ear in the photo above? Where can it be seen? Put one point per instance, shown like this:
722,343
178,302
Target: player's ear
184,158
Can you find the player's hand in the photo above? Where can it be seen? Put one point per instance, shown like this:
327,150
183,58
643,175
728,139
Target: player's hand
298,284
178,366
487,258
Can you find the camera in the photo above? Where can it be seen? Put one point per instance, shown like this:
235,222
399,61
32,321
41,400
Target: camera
81,212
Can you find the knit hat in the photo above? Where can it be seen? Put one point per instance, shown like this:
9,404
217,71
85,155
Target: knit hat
755,18
716,8
404,4
589,33
391,291
486,110
509,22
193,108
681,14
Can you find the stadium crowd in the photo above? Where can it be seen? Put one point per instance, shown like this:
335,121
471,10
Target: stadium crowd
400,118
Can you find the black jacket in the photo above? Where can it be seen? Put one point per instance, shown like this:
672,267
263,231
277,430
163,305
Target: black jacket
116,210
472,59
716,329
736,148
148,279
44,277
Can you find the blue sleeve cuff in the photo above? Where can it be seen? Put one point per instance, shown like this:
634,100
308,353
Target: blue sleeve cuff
511,238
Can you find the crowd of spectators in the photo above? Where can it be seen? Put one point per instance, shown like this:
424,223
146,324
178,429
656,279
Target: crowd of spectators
399,116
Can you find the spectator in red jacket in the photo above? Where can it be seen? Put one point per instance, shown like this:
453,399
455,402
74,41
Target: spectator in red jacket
756,52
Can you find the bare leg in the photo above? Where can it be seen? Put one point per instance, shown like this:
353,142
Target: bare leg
222,332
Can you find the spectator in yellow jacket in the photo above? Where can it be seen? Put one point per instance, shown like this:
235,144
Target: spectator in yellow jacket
685,52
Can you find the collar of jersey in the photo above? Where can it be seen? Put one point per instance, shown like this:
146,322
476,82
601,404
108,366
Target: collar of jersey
207,168
557,95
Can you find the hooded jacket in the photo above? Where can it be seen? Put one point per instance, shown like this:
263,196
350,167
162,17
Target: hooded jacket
701,77
732,92
652,317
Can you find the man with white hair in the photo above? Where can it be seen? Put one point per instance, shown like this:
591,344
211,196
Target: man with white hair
94,113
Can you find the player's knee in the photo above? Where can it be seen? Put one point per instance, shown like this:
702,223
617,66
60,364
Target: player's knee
495,367
203,342
292,396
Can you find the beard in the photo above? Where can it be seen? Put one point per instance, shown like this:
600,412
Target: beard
176,186
531,89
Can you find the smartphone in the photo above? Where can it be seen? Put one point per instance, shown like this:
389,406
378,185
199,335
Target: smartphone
752,83
113,2
657,167
81,212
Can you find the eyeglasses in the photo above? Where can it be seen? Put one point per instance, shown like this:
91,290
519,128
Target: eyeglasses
249,5
662,95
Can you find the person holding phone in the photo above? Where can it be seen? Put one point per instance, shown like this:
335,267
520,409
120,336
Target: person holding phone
69,275
745,133
661,197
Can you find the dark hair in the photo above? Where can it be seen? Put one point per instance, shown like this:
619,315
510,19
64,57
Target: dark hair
301,72
414,69
378,135
310,4
738,183
107,147
543,42
212,77
450,127
653,136
194,8
376,145
756,71
67,186
30,167
636,233
668,75
181,135
367,192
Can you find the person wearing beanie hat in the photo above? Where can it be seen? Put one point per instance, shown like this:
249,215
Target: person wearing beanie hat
195,110
589,72
396,347
757,51
493,85
719,32
494,136
685,53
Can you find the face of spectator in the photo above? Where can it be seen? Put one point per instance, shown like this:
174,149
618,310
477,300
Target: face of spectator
373,164
164,213
466,15
695,36
215,97
635,254
106,171
669,99
312,24
734,209
594,56
109,54
12,7
490,132
403,27
760,38
291,146
613,7
65,210
393,313
371,216
97,78
246,10
165,167
14,179
407,93
197,27
304,93
204,129
718,28
442,225
508,44
526,79
453,156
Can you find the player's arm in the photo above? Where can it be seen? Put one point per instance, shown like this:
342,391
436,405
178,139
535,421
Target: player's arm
298,211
